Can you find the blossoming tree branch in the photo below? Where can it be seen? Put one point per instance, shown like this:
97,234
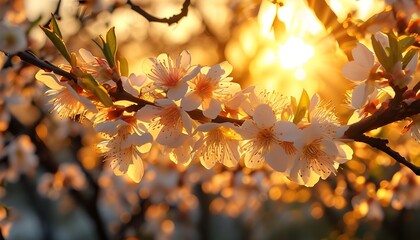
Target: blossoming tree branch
198,113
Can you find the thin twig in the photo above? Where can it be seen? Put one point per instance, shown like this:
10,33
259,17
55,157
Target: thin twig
381,144
171,20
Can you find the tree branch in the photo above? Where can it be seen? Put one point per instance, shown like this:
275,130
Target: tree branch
381,144
171,20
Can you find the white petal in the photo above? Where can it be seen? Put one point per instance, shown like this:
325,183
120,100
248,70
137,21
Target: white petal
363,56
147,113
314,102
277,159
128,87
253,160
191,102
213,109
248,130
191,74
86,55
109,127
412,65
264,116
329,147
172,138
48,79
360,95
186,121
234,157
345,152
136,170
184,59
178,91
206,127
286,131
220,70
137,140
355,72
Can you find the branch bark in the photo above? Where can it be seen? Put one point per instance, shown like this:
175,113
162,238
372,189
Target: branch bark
171,20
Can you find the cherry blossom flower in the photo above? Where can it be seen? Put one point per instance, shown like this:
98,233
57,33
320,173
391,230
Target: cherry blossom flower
209,89
367,204
267,139
67,176
405,186
12,38
219,144
97,67
22,157
402,77
414,127
170,124
64,98
172,77
318,153
133,83
125,141
258,96
361,71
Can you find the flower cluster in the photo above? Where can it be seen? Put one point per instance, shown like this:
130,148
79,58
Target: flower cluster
181,108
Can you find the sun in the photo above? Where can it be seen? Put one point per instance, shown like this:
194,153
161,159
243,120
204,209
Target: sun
294,53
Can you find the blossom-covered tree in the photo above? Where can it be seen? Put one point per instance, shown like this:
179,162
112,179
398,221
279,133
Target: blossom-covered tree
146,145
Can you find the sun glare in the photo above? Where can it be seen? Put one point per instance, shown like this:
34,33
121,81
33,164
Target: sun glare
294,53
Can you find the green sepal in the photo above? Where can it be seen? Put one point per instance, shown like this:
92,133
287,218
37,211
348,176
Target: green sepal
54,26
394,49
302,107
108,47
382,56
87,82
408,56
405,42
123,66
54,34
111,40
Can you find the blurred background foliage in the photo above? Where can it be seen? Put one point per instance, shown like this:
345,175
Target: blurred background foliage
55,185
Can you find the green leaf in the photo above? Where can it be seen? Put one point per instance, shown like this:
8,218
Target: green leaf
405,42
87,82
111,40
106,50
302,107
394,49
407,57
124,69
58,43
54,26
383,58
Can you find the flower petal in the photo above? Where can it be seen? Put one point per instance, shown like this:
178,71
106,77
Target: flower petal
363,56
49,79
360,95
191,102
214,108
178,91
286,131
355,72
136,170
264,116
277,159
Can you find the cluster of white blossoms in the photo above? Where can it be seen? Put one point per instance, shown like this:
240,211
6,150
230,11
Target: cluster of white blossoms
184,110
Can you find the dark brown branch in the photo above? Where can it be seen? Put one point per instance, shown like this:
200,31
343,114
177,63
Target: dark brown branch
171,20
30,58
383,117
381,144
